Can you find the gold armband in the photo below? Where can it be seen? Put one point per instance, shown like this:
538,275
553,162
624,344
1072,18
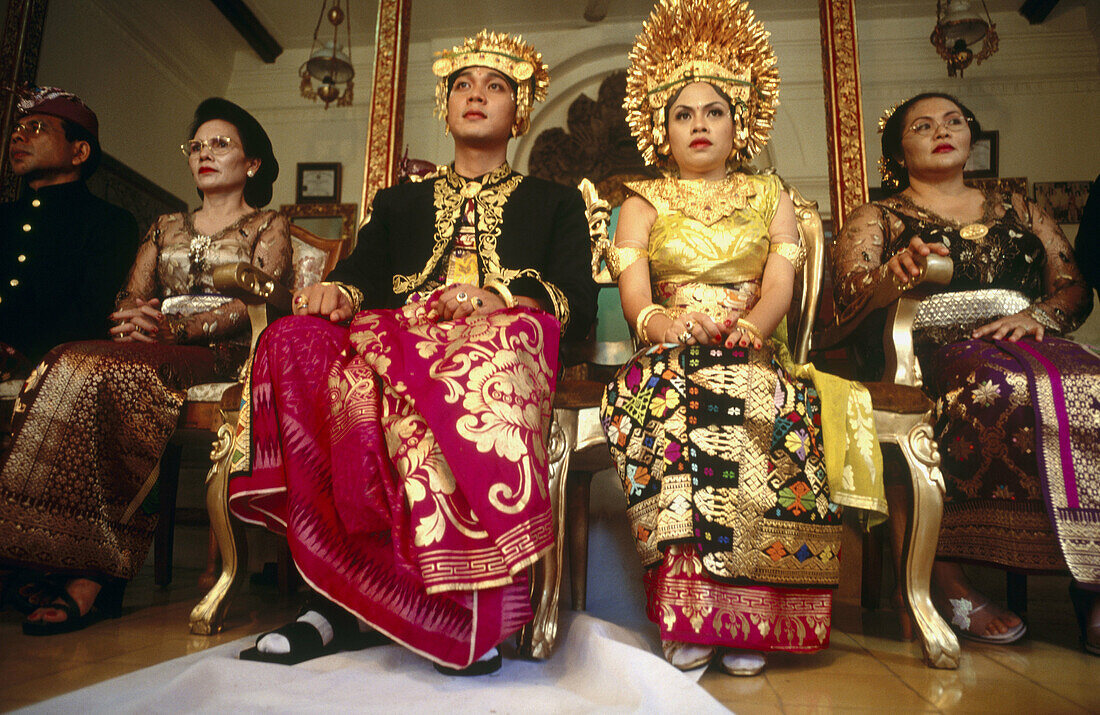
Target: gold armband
497,286
353,294
642,321
749,326
793,252
619,259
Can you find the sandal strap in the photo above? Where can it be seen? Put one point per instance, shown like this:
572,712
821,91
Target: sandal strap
304,639
69,606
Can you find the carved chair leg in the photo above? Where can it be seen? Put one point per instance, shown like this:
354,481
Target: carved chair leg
578,487
871,592
208,616
913,434
167,486
537,638
1016,590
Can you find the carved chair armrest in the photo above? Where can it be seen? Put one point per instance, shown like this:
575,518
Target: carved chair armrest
257,289
902,300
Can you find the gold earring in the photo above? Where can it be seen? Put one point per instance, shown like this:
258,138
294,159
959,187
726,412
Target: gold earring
251,173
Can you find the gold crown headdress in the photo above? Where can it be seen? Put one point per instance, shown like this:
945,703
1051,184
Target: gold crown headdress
504,53
716,41
888,167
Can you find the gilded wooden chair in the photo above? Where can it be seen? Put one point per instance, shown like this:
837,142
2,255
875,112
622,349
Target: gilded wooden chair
313,258
902,416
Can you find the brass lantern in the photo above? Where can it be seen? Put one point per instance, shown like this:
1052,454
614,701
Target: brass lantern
959,28
329,63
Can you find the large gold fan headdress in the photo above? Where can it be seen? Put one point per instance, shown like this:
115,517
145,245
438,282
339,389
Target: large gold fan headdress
716,41
506,54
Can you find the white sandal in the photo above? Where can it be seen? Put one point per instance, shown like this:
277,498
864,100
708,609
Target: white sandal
970,622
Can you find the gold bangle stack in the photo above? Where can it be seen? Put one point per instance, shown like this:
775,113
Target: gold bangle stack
641,323
749,326
497,286
353,294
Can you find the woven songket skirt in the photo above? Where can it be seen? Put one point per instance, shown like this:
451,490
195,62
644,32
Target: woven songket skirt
1018,434
721,457
89,427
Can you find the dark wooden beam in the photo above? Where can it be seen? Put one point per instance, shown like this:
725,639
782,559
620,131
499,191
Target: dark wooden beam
1037,10
249,27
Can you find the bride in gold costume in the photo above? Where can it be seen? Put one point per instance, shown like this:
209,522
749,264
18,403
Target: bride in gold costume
733,458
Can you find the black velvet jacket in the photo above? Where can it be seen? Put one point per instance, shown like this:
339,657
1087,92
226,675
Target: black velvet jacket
64,254
531,233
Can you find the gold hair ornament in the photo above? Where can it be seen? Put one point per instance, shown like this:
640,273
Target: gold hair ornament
888,168
510,56
715,41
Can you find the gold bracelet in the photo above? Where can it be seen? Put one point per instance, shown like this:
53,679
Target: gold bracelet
497,286
177,325
641,322
747,325
353,294
619,259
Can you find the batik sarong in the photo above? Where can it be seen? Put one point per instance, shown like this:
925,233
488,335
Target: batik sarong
406,462
89,427
1018,433
721,456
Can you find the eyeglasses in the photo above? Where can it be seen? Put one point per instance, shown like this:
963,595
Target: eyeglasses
32,127
217,146
928,127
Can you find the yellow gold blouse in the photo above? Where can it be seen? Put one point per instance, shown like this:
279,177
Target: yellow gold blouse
709,232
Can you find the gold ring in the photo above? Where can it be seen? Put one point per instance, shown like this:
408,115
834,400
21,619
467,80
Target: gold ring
685,336
300,301
478,302
688,324
462,296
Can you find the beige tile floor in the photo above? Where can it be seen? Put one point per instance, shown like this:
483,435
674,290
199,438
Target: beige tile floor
866,669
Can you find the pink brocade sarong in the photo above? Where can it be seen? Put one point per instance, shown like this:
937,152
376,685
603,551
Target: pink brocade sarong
691,608
406,462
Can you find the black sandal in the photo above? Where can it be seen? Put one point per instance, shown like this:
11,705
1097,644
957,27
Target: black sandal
305,640
480,667
107,604
26,591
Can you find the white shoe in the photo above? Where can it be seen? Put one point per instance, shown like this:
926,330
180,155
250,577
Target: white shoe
743,662
687,656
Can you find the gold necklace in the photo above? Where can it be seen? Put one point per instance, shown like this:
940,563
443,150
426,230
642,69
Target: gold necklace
975,231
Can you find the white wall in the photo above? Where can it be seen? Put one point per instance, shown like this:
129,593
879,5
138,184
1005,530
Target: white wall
116,57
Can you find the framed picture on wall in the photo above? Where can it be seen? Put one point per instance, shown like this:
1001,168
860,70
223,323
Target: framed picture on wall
1063,200
982,163
318,183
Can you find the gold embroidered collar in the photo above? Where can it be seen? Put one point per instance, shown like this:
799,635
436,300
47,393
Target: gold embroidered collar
705,201
469,188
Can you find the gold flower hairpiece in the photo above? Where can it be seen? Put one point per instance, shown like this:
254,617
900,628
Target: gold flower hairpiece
716,41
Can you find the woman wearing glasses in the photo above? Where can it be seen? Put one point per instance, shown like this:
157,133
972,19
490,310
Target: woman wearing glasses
94,417
1016,405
